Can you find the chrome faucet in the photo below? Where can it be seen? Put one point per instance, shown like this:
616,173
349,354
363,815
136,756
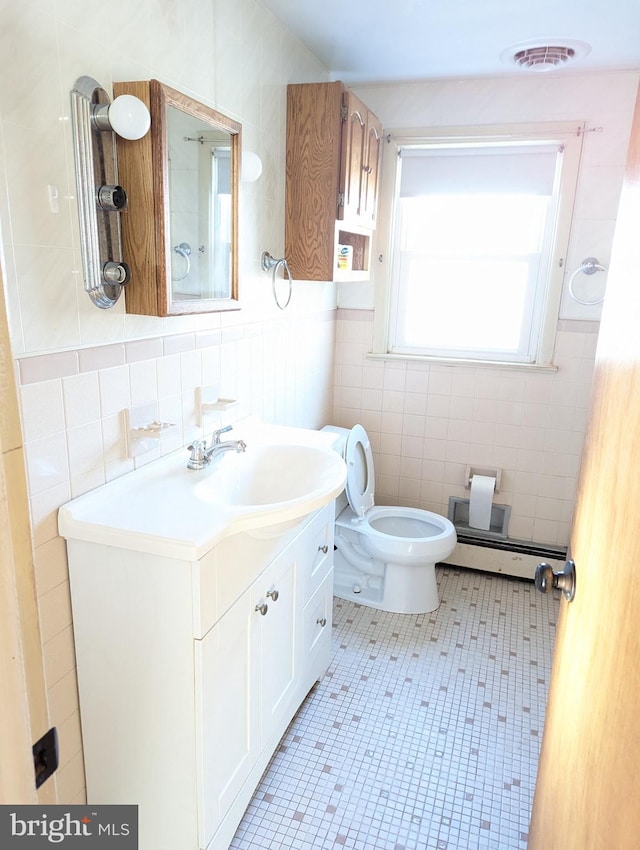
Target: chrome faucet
201,456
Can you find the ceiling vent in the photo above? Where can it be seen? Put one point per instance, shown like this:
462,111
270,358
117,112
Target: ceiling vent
545,56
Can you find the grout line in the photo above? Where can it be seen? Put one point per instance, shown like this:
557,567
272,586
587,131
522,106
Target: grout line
425,732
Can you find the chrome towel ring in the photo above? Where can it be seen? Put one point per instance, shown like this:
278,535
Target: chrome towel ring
184,249
268,262
589,266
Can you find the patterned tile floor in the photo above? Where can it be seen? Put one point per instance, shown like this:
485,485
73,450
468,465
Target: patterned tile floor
425,733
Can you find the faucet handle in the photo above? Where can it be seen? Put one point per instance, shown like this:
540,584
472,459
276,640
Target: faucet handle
198,458
215,437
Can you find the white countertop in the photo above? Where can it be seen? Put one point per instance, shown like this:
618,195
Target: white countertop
159,508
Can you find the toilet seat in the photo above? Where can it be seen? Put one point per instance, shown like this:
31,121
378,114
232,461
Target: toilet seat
393,531
361,479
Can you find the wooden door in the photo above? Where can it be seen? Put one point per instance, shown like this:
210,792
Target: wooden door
313,184
588,791
23,698
354,140
371,172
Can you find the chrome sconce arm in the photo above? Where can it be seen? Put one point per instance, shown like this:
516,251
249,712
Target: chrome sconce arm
95,121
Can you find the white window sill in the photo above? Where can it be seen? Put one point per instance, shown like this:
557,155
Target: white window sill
460,361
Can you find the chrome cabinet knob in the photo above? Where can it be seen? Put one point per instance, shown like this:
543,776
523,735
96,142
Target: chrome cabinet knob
262,608
273,594
324,549
321,621
565,580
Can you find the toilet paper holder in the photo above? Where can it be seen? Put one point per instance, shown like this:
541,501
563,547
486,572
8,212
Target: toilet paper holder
470,471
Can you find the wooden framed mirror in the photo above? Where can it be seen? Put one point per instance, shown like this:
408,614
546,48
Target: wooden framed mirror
180,229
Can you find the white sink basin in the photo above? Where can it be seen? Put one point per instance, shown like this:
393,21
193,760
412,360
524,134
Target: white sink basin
267,478
164,508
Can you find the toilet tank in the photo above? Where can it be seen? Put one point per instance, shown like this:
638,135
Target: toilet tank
339,446
342,434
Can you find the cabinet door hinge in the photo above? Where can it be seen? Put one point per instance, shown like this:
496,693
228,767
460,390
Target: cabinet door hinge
344,112
340,199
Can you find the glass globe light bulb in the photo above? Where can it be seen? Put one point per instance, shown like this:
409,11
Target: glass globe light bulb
129,117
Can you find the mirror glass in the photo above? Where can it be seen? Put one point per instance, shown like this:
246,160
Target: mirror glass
201,220
199,150
180,230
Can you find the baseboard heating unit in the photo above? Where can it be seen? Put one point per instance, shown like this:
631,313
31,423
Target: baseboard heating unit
517,558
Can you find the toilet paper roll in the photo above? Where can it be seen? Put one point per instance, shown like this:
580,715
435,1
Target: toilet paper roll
481,500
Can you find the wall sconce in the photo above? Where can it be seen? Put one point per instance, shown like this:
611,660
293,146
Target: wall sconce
95,121
251,168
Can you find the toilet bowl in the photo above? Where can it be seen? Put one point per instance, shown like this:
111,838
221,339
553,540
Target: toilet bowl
385,555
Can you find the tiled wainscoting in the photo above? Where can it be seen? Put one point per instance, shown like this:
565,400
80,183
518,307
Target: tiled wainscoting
428,421
72,405
425,733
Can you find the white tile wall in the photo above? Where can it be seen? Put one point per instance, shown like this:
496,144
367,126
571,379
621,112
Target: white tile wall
74,441
79,367
604,103
530,425
427,422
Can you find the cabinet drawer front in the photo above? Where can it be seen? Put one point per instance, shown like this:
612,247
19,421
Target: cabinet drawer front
317,631
226,572
316,555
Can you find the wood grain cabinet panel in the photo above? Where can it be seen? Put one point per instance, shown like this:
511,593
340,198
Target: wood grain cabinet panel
333,155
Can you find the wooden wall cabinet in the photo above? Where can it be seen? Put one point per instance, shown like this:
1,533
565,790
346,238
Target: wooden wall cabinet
180,230
333,157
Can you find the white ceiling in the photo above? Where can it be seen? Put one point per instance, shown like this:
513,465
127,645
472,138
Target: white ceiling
385,40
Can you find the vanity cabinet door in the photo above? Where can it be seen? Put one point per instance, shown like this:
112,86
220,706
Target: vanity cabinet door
274,620
227,724
254,667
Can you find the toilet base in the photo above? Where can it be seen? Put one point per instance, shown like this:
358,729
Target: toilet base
396,588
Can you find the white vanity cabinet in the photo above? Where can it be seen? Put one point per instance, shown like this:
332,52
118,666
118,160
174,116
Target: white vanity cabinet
190,672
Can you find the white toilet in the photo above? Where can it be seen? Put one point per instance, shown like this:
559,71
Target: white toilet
385,556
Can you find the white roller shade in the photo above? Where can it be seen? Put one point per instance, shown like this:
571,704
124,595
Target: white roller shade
223,169
512,169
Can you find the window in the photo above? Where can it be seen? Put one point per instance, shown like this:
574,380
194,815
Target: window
478,230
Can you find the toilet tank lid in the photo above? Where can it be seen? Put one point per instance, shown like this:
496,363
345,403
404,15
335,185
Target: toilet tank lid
342,434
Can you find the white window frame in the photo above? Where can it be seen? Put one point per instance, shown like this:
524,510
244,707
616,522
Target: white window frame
567,135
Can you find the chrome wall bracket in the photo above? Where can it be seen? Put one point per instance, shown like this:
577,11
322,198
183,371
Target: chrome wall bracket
100,198
269,263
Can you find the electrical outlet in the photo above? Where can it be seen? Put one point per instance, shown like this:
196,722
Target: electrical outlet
45,756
